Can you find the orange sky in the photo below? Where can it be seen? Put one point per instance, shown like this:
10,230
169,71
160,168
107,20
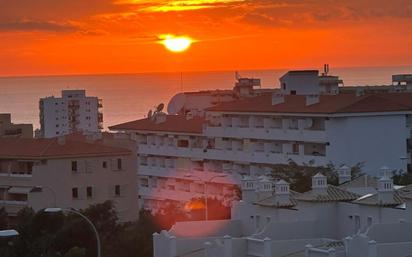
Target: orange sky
120,36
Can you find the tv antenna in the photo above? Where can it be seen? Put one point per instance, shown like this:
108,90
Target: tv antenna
325,69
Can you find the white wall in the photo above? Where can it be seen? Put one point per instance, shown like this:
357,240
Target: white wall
376,140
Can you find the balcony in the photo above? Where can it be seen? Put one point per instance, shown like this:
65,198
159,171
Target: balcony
266,157
173,173
13,207
267,133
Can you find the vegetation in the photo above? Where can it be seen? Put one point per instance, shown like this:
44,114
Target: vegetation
59,235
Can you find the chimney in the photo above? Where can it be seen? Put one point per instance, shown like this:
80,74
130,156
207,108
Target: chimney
319,184
278,98
282,192
248,188
385,172
344,174
264,187
61,140
360,91
385,190
312,99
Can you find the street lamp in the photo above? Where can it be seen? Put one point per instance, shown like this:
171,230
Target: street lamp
205,186
8,233
56,210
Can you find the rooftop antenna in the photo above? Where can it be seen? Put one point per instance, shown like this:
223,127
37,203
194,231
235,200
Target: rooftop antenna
181,81
325,69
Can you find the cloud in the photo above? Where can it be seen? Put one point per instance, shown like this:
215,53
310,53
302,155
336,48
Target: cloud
36,26
186,5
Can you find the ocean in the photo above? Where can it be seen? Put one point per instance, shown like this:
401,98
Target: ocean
128,97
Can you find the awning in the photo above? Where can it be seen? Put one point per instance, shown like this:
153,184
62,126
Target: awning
19,190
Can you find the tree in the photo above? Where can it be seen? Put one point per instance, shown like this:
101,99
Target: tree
4,219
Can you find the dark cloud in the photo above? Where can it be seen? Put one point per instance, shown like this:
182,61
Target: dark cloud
36,26
325,12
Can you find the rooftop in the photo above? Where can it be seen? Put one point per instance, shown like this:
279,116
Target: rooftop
173,123
54,148
332,194
328,104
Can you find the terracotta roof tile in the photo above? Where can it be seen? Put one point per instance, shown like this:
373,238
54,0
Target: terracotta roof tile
361,181
273,201
375,201
332,194
328,104
173,123
51,148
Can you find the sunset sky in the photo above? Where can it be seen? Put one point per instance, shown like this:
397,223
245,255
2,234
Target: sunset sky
39,37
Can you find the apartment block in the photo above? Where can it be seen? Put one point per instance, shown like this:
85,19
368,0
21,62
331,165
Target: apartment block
67,172
308,120
70,113
9,129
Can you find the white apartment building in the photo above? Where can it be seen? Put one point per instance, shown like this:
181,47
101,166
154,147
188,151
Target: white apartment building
307,121
327,221
68,172
72,112
169,148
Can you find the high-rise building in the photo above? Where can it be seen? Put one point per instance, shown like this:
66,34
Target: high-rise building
72,112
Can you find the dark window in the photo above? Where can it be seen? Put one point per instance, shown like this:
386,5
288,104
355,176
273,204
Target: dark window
89,192
183,143
104,165
284,86
293,92
119,164
75,193
117,190
74,165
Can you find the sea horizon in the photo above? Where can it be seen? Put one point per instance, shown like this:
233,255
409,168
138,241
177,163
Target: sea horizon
130,96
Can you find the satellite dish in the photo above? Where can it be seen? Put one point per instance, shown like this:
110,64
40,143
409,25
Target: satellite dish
160,107
150,114
176,104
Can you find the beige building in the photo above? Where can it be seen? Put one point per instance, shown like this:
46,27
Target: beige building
68,172
9,129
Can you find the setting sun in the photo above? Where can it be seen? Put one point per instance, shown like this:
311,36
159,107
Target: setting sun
176,44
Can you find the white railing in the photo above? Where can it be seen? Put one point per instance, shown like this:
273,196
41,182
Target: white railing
267,133
230,155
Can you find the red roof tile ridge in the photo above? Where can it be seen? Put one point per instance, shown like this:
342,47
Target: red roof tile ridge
49,144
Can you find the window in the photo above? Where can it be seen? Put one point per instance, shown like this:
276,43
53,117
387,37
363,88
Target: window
104,165
357,223
75,193
117,190
293,92
74,166
183,143
89,191
119,164
295,148
369,221
144,182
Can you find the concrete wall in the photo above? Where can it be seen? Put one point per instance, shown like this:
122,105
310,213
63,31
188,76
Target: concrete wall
375,140
57,179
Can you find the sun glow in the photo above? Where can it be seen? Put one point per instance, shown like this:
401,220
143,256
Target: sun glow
176,44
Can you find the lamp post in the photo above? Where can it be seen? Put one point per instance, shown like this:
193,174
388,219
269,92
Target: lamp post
205,186
55,210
